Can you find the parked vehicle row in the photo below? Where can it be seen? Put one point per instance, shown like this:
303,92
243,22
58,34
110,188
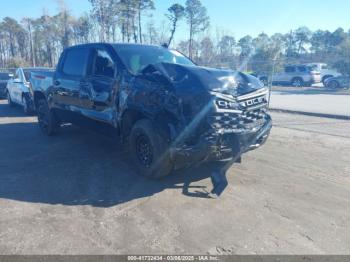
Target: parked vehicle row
294,75
301,75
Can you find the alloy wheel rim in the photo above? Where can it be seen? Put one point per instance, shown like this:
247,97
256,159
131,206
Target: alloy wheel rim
297,83
334,84
144,150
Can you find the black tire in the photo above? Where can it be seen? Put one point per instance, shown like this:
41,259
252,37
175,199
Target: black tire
26,105
149,150
297,82
47,120
9,100
333,84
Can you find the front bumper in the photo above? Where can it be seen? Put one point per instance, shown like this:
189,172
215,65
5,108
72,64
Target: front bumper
221,146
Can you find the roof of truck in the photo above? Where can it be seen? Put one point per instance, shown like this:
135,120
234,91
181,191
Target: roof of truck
111,44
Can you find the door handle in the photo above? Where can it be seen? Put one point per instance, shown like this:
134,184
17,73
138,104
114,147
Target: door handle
56,83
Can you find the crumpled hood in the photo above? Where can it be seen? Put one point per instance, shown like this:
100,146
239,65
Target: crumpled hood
222,81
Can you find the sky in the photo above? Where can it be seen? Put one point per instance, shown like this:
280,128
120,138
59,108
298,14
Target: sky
235,17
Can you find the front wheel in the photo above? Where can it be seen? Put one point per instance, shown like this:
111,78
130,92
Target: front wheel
149,150
297,82
47,120
333,84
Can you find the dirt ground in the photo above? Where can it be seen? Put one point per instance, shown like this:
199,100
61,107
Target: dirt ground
75,193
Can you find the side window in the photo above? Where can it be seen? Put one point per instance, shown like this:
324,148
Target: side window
103,64
302,69
289,69
17,75
324,67
75,62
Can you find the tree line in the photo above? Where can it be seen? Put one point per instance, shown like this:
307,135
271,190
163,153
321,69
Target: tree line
39,41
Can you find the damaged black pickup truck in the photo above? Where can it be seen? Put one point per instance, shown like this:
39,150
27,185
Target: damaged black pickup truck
169,112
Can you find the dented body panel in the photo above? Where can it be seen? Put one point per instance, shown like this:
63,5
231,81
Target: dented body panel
204,114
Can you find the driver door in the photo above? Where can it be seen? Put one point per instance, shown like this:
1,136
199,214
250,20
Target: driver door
97,93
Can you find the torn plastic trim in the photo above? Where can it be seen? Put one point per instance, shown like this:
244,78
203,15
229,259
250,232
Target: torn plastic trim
218,175
210,143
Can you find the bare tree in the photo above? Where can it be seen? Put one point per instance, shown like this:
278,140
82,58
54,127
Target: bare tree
142,5
176,13
197,19
105,11
28,24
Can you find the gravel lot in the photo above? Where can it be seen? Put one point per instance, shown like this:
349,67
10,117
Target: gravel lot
76,194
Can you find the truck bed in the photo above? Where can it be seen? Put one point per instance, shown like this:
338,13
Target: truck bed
41,80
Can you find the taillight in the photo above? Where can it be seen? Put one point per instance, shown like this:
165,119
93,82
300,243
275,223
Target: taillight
40,76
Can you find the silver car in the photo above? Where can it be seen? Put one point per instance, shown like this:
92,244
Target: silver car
297,75
325,70
17,89
337,82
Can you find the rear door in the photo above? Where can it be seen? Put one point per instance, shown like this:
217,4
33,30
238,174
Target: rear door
70,76
15,86
290,73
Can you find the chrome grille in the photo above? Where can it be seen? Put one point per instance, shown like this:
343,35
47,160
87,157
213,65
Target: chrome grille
252,116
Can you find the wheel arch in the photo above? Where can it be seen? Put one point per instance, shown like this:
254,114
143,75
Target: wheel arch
162,121
325,77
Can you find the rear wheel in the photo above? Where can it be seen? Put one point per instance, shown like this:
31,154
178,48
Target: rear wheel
333,84
297,82
149,150
47,120
9,100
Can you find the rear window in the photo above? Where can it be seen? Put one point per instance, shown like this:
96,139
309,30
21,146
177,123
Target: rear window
75,62
27,72
4,76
